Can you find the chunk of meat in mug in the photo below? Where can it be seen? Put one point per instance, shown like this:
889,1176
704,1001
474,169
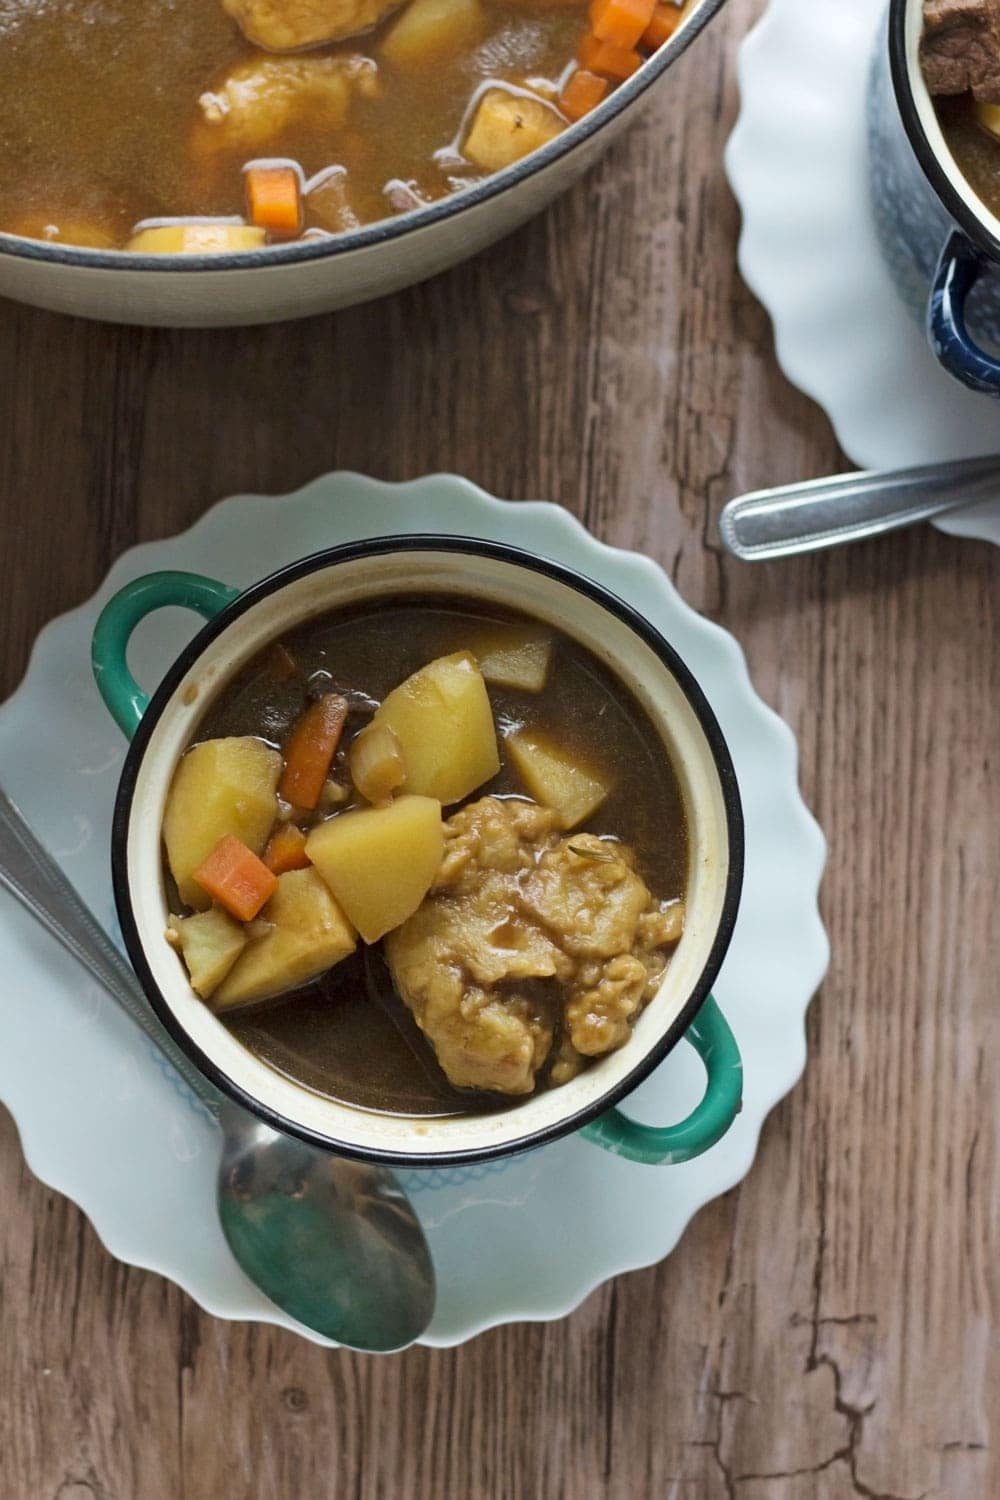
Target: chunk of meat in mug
520,917
264,96
293,25
467,965
960,48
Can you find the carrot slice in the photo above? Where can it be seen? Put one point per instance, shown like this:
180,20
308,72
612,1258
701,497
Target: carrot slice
234,877
607,59
666,19
621,21
286,850
583,91
274,200
310,750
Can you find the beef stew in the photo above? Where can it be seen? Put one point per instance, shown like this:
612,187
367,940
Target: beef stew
960,60
426,858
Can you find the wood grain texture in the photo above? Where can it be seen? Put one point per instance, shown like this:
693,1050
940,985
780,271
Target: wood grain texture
828,1329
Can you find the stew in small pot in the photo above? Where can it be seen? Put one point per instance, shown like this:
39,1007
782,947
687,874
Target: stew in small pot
960,59
425,858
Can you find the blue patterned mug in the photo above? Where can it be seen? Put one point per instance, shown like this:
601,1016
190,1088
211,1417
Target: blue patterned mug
940,240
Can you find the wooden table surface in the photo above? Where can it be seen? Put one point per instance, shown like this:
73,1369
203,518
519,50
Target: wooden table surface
827,1329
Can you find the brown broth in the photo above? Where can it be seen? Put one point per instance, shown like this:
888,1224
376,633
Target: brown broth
975,150
99,99
332,1036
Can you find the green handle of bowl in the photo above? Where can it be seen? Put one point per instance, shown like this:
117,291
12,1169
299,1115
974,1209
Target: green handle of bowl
124,698
653,1145
708,1033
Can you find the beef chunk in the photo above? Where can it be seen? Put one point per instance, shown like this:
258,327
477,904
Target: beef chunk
515,909
960,48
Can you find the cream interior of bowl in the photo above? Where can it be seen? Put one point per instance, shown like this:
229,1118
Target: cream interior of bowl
487,579
931,125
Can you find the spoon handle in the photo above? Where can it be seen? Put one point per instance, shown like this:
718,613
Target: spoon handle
847,507
31,874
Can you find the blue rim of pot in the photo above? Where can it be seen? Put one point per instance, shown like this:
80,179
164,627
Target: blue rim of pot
385,229
473,547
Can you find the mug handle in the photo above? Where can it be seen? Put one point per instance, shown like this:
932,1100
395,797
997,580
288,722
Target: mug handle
959,268
708,1122
123,697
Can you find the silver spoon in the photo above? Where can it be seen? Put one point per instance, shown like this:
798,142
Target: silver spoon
847,507
333,1243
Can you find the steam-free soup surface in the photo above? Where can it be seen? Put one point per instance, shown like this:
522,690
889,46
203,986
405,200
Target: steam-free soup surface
107,119
335,1036
975,149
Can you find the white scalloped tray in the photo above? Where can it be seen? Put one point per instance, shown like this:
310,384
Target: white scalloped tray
103,1122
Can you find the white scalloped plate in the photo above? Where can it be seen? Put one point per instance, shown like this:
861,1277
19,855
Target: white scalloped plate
103,1122
797,162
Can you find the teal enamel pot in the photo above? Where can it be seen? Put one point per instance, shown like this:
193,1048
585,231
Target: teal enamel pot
239,624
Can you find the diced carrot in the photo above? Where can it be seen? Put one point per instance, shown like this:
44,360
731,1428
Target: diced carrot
286,850
582,92
666,19
621,21
234,876
281,663
607,59
274,200
311,747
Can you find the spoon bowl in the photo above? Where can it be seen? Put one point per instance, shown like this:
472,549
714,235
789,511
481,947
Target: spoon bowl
335,1244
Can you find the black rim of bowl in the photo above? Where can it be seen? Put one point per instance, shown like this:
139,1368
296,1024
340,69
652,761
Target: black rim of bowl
380,546
923,150
384,229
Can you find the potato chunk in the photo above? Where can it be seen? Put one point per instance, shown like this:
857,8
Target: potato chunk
376,763
514,656
988,116
507,126
556,777
196,239
380,862
308,934
220,786
288,25
428,29
327,203
210,942
443,721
